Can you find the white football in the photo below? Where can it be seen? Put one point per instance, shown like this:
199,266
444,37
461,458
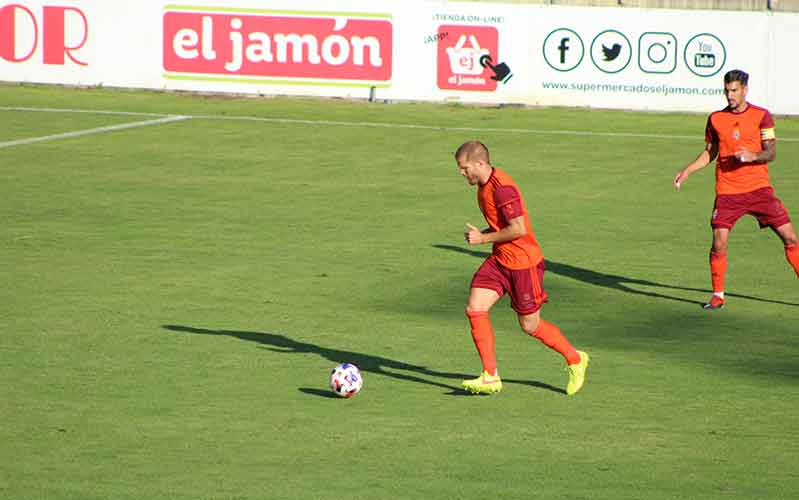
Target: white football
346,380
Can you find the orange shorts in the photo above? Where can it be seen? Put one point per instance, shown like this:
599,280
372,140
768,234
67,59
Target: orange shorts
524,286
761,203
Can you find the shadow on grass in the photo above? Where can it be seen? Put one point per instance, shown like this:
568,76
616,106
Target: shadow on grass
318,392
366,362
616,282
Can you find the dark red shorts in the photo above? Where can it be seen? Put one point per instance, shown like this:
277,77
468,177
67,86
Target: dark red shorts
524,286
761,203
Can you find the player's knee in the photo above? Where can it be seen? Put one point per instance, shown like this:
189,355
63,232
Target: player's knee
472,311
529,325
720,240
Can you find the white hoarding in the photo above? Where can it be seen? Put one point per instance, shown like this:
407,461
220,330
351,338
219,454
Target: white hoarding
625,58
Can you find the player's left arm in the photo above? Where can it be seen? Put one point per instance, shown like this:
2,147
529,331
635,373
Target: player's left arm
768,142
516,228
766,155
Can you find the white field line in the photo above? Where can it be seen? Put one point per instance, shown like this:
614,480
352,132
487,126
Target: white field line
389,125
583,133
442,128
87,111
91,131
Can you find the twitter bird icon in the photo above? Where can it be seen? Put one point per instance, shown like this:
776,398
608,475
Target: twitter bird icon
612,52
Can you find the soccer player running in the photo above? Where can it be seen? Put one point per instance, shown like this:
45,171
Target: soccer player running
515,266
741,138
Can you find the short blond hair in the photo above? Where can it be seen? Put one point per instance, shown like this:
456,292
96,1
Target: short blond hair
471,151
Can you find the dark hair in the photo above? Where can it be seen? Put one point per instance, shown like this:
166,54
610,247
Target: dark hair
737,75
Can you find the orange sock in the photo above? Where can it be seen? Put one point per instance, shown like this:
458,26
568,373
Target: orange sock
792,254
483,336
553,338
718,267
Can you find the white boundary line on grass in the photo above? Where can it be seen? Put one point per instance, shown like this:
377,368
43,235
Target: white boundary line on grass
441,128
91,131
168,118
580,133
85,111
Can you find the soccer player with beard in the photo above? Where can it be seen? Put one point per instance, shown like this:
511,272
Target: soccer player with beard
742,140
515,266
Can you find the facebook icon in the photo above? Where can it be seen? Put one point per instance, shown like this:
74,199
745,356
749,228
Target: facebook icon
563,49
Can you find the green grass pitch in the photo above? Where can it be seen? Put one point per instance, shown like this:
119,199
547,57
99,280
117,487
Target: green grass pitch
174,297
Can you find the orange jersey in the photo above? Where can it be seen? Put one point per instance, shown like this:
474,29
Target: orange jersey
733,132
500,201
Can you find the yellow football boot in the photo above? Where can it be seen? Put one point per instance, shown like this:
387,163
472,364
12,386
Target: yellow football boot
484,384
577,374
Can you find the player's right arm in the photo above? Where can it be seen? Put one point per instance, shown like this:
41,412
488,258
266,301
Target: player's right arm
516,228
707,155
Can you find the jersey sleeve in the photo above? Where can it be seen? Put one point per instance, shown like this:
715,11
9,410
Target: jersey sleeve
767,128
509,202
711,135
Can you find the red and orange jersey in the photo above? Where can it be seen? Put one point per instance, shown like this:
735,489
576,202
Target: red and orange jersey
733,132
500,201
